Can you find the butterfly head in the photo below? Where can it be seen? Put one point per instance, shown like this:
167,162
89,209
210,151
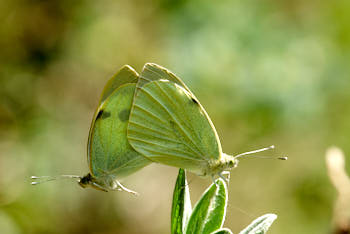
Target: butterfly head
231,163
228,162
90,181
225,164
85,181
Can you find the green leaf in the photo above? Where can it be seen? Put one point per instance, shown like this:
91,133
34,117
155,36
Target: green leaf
260,225
181,208
209,213
222,231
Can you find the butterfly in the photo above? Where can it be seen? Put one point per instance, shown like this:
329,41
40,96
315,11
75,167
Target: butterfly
151,117
168,125
110,156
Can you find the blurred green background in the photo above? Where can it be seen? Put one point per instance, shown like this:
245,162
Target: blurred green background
267,72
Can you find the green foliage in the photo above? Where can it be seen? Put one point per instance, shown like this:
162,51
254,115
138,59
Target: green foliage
260,225
181,208
208,214
222,231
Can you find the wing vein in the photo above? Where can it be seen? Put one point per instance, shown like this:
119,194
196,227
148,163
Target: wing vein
167,139
184,131
175,151
154,73
166,136
146,127
149,113
172,115
145,78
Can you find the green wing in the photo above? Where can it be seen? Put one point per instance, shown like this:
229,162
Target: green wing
168,125
109,149
125,75
153,72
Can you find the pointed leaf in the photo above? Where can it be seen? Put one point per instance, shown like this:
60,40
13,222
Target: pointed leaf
222,231
209,213
181,208
260,225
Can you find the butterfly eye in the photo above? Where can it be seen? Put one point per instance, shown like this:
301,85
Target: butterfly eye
231,163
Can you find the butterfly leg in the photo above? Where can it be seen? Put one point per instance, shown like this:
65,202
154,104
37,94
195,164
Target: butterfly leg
223,177
122,188
214,181
99,187
228,174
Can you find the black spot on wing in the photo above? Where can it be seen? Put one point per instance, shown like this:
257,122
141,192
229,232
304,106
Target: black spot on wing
99,115
103,114
194,101
106,114
124,115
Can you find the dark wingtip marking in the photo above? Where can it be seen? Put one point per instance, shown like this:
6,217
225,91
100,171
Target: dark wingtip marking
99,115
102,114
194,101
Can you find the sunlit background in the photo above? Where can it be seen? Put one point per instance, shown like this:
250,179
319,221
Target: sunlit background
267,72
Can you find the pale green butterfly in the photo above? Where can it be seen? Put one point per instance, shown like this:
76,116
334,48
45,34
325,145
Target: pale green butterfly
168,125
110,155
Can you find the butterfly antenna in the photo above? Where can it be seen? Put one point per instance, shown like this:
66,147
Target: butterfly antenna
44,179
260,150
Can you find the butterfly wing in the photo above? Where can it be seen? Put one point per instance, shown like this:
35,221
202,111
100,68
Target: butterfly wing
109,152
168,125
153,72
125,75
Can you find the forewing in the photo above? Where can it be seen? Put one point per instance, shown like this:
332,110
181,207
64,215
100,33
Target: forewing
169,126
125,75
109,150
153,72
